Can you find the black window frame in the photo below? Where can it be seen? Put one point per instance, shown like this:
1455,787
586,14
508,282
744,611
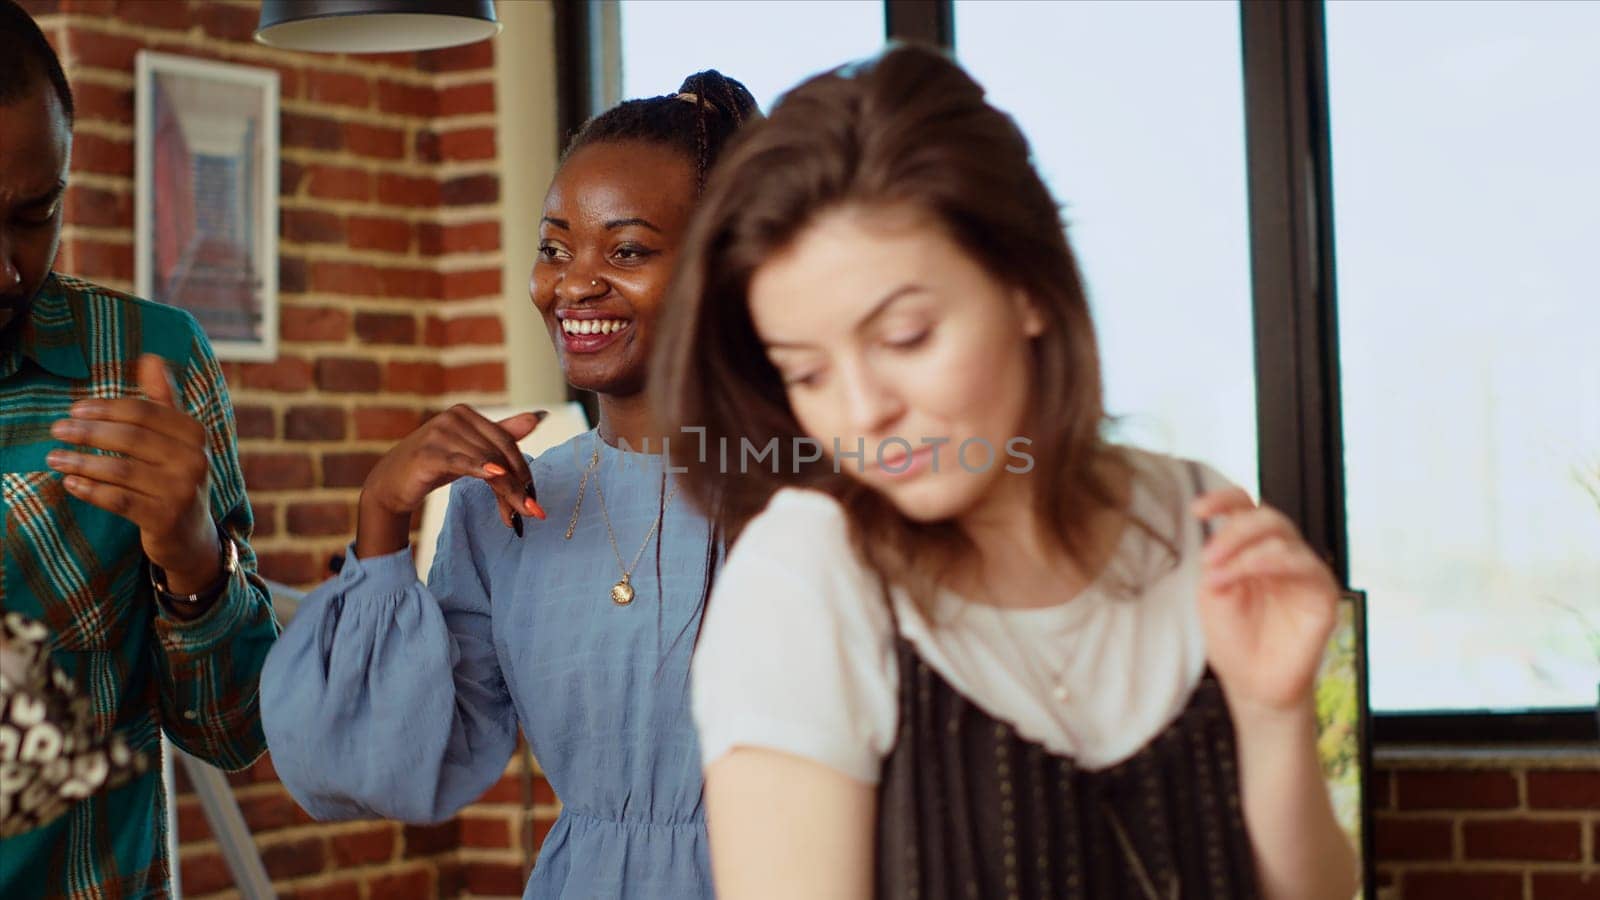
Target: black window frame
1294,275
1294,306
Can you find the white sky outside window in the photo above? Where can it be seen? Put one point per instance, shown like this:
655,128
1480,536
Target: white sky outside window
1466,172
769,46
1135,112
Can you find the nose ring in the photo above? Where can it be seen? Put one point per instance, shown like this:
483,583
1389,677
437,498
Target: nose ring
594,284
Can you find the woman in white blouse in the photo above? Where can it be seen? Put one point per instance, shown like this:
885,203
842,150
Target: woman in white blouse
964,646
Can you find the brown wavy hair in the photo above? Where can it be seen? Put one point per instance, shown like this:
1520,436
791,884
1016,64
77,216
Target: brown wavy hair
906,129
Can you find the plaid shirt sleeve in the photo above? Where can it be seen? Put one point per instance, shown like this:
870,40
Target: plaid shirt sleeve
210,667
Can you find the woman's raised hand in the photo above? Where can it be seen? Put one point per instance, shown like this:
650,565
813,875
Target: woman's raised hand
1267,604
457,443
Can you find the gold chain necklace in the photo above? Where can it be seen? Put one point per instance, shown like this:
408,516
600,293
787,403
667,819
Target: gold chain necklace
1050,678
583,484
1146,884
1058,684
622,591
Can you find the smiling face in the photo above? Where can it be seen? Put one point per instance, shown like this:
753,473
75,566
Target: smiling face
34,155
882,327
613,221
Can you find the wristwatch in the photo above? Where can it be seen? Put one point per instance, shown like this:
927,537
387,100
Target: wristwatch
230,564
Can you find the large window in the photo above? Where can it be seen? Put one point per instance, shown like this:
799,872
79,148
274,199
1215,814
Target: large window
1453,466
1466,188
769,46
1136,116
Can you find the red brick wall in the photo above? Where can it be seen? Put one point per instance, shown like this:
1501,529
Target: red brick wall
1473,826
389,292
480,853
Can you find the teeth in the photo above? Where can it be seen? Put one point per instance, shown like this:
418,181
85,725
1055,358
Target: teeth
592,326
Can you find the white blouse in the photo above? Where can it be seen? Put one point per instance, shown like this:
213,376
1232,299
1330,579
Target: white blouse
797,649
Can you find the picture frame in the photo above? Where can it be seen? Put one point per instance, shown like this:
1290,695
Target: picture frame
1344,730
206,197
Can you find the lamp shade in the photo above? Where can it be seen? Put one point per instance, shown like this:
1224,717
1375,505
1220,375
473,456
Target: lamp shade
374,26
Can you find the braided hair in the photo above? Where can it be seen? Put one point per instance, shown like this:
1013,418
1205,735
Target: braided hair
698,120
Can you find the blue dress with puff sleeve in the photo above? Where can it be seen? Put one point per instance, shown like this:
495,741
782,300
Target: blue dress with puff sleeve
387,697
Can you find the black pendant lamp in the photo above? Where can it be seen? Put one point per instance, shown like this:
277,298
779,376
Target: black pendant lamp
374,26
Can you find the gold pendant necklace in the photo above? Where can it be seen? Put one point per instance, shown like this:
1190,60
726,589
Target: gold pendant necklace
1052,680
622,592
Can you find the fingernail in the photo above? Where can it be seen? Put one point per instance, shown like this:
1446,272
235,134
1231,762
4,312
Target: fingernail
84,408
516,524
539,415
65,429
57,458
532,494
73,483
493,469
535,510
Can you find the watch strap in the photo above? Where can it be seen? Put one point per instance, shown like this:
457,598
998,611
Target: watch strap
230,564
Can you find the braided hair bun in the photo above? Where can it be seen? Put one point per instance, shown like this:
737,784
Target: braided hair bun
699,120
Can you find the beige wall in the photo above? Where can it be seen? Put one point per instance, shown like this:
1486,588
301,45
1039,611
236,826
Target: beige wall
525,76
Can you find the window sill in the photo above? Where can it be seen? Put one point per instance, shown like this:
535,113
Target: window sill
1487,756
1534,728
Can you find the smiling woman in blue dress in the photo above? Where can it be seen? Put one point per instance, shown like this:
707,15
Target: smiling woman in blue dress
389,697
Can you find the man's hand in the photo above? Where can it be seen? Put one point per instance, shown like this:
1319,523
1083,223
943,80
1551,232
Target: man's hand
159,481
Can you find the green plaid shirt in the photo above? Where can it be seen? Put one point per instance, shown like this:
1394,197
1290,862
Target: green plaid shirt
81,571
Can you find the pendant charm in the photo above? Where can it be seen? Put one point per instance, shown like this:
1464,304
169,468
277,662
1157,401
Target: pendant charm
622,593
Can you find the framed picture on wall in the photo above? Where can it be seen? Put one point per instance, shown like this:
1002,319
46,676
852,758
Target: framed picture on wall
1344,741
206,197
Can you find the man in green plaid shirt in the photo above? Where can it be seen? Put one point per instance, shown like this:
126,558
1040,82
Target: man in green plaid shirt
123,517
